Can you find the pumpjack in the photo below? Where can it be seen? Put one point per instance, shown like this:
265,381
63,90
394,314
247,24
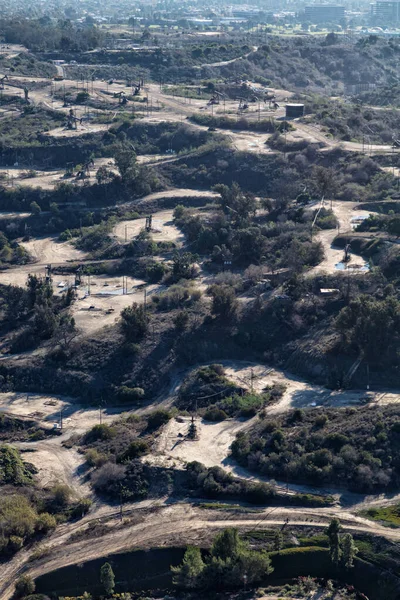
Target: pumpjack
243,104
47,274
149,223
121,96
72,120
85,171
78,277
215,99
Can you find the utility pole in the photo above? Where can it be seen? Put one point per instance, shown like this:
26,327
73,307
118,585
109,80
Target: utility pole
252,380
145,299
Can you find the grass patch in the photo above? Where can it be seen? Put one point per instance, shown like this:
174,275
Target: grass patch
388,515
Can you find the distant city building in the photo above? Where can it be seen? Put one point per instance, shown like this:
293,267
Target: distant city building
386,12
324,13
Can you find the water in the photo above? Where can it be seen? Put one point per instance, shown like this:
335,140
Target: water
353,268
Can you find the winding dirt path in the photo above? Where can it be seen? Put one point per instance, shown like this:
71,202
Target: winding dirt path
168,526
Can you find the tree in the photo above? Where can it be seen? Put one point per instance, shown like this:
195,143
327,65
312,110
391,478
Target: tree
107,578
229,561
125,159
134,322
224,302
394,227
349,550
332,532
187,574
44,322
278,540
235,203
24,586
325,180
66,331
35,208
183,265
227,544
370,325
181,320
104,175
61,494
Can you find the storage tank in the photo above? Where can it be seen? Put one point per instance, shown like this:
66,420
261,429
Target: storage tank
293,111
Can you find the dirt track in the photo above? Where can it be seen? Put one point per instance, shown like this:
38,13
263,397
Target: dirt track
346,213
163,228
167,526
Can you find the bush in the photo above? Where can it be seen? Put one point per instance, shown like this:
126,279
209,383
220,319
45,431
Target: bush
224,302
61,494
81,508
135,449
12,469
24,586
134,322
100,432
128,394
46,523
94,458
350,448
158,418
215,414
125,482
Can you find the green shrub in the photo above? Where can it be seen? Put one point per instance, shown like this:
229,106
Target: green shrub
94,458
135,449
81,508
61,494
128,394
101,432
215,414
24,586
158,418
46,523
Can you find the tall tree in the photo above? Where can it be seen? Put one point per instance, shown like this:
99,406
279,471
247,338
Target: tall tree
187,574
333,532
107,578
350,550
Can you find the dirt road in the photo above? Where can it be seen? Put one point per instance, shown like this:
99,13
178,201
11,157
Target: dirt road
163,228
347,214
168,526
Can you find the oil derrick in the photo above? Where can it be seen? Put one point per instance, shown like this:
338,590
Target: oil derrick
347,255
149,223
78,277
192,432
136,87
85,171
121,97
47,274
72,120
243,104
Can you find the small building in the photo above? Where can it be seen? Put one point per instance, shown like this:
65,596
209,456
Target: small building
324,13
328,292
294,111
